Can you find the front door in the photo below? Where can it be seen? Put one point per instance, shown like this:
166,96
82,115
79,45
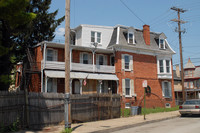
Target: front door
77,87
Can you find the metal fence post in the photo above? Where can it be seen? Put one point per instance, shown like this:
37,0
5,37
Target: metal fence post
66,105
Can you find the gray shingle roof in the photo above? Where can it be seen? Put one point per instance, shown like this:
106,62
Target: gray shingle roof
139,39
197,72
189,64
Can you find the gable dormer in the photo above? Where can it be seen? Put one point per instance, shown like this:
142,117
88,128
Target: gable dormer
162,42
131,36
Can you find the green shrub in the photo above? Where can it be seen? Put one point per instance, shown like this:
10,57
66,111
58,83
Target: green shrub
67,130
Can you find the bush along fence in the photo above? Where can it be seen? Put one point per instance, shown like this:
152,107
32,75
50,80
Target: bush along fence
45,109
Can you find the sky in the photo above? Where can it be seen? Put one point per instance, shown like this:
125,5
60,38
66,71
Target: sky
136,13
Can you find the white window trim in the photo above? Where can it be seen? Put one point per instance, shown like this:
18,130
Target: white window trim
133,37
95,37
164,65
129,88
163,43
130,62
170,91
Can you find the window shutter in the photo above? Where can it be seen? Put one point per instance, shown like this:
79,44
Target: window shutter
123,87
97,59
81,58
55,55
105,60
132,87
90,58
131,62
123,63
163,89
170,89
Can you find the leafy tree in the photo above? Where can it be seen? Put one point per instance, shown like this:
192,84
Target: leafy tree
13,17
42,27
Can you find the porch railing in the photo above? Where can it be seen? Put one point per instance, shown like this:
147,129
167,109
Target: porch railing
55,65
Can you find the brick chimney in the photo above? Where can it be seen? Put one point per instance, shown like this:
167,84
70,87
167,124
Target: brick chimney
178,71
146,34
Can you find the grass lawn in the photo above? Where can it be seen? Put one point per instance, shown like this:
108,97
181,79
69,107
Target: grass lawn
127,112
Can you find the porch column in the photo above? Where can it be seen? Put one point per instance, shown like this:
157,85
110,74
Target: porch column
81,82
117,86
70,86
46,80
100,83
93,52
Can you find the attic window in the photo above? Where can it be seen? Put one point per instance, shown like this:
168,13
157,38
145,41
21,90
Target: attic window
161,43
131,39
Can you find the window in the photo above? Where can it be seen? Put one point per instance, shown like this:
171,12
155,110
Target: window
162,44
191,84
161,66
92,36
112,61
166,87
127,105
95,37
52,55
198,83
130,38
186,73
127,87
101,60
164,66
168,66
85,58
52,85
127,60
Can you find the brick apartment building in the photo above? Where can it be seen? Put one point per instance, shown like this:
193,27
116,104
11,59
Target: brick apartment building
105,58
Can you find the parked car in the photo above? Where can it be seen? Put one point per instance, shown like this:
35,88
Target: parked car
190,107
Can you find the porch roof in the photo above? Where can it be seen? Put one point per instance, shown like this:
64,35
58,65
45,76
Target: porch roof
80,75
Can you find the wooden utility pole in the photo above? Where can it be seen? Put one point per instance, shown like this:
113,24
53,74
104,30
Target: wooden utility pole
67,65
180,46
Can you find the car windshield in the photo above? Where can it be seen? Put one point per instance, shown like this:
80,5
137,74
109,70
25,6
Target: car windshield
192,102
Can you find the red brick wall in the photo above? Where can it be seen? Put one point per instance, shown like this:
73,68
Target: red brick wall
144,68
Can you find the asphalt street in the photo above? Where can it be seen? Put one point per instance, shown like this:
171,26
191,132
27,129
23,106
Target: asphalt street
178,125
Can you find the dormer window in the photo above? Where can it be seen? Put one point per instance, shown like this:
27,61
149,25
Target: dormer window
95,37
131,39
161,43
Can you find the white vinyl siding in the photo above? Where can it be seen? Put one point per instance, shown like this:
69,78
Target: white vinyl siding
166,89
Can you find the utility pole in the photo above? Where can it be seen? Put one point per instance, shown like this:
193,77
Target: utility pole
67,66
179,10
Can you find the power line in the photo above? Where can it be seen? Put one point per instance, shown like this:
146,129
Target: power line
132,12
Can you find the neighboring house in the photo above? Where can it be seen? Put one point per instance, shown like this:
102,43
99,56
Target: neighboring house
177,85
192,80
116,58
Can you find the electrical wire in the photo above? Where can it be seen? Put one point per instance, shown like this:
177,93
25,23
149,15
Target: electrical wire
132,12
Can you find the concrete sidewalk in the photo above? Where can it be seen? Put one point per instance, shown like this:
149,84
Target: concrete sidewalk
111,124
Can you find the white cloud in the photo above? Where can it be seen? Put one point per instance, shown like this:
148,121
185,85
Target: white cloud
60,31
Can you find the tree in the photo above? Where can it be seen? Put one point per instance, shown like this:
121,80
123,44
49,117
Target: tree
13,17
42,27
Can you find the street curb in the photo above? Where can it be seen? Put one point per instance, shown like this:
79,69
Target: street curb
132,125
